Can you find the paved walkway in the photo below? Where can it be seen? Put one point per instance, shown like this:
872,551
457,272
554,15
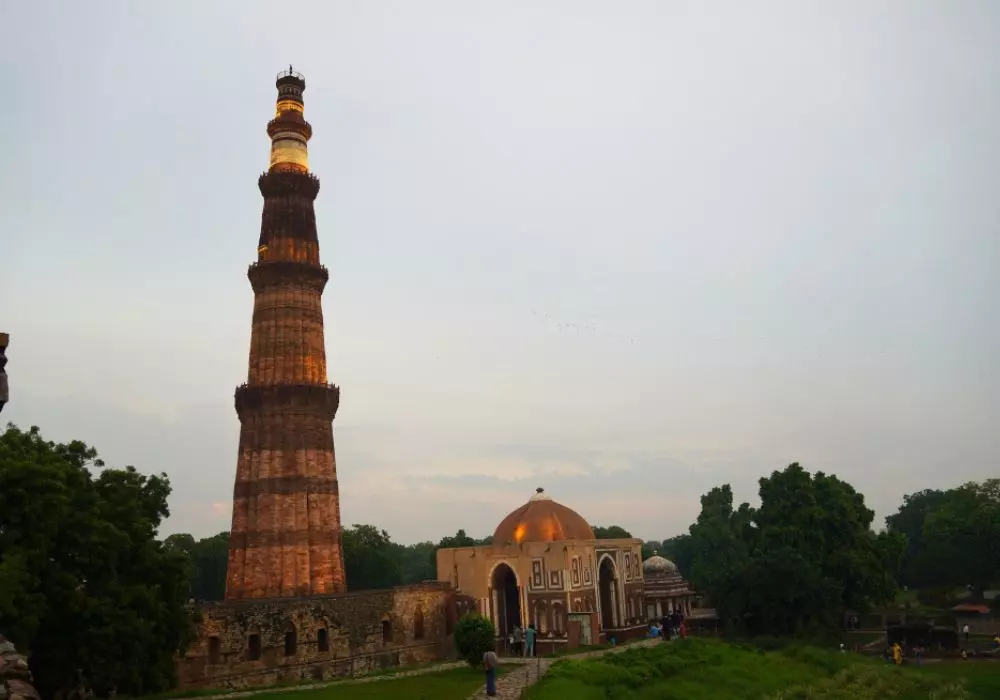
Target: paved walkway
511,684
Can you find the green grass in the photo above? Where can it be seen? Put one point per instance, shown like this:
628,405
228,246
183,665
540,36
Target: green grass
980,678
700,669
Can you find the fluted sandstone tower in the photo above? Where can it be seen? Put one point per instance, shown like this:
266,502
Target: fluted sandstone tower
286,537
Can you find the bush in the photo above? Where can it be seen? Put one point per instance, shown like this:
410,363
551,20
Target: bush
474,636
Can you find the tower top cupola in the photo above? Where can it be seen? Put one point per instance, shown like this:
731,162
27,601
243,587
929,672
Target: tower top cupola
289,130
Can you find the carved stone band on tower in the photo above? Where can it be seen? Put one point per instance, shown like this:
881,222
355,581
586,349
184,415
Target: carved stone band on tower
286,535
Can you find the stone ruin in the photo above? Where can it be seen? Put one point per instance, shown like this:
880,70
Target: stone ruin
15,678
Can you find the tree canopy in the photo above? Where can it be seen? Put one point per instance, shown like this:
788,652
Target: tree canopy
84,582
953,536
798,561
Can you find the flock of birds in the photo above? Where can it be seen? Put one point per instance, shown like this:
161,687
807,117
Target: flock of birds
585,327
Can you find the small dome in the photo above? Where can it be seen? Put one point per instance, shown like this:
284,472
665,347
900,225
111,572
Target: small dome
542,520
659,565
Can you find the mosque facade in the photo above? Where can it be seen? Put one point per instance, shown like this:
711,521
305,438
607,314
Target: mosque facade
545,568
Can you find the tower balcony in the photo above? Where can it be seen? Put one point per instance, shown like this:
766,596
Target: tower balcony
322,400
282,273
288,184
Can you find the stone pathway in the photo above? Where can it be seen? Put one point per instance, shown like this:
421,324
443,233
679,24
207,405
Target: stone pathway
512,684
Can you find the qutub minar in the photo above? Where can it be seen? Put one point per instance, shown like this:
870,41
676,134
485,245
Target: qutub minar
287,615
286,535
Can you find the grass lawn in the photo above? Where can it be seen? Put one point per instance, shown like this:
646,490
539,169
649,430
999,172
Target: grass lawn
453,684
980,678
700,669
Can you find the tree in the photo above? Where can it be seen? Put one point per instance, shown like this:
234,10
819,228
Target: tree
416,562
208,559
909,522
961,537
84,583
474,636
460,539
799,561
721,551
370,558
679,550
611,532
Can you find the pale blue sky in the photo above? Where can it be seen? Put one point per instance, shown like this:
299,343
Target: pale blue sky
625,251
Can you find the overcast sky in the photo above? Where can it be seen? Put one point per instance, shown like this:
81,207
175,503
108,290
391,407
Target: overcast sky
624,251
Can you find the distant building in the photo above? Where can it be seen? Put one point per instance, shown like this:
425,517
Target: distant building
666,590
545,568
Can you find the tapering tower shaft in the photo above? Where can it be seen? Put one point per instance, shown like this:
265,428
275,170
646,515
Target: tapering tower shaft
286,535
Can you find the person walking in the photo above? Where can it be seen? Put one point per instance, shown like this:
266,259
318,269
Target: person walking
965,631
529,641
490,666
518,641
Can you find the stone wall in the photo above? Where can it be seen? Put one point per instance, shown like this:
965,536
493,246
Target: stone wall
15,678
265,642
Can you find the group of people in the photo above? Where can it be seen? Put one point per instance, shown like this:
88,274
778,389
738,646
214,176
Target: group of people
669,627
521,642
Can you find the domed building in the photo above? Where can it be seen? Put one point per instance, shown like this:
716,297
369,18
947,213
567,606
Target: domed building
545,568
665,588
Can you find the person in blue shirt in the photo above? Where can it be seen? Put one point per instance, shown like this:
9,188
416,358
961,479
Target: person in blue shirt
529,641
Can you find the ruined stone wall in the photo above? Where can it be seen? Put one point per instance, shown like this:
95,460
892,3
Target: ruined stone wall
15,678
265,642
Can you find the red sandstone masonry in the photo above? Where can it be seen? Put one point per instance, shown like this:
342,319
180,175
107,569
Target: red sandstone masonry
286,531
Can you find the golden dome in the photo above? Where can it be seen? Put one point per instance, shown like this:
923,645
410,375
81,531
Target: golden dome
542,520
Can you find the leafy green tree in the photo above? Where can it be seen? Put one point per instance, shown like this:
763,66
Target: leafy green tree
917,570
611,532
797,562
459,539
85,585
370,558
721,551
474,636
208,559
416,562
679,550
962,536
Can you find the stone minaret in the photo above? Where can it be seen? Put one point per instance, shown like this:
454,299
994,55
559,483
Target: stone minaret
4,391
286,537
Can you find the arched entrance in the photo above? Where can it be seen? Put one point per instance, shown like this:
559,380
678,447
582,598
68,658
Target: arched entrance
506,600
609,598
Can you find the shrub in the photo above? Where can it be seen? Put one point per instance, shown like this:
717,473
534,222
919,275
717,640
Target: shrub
474,636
